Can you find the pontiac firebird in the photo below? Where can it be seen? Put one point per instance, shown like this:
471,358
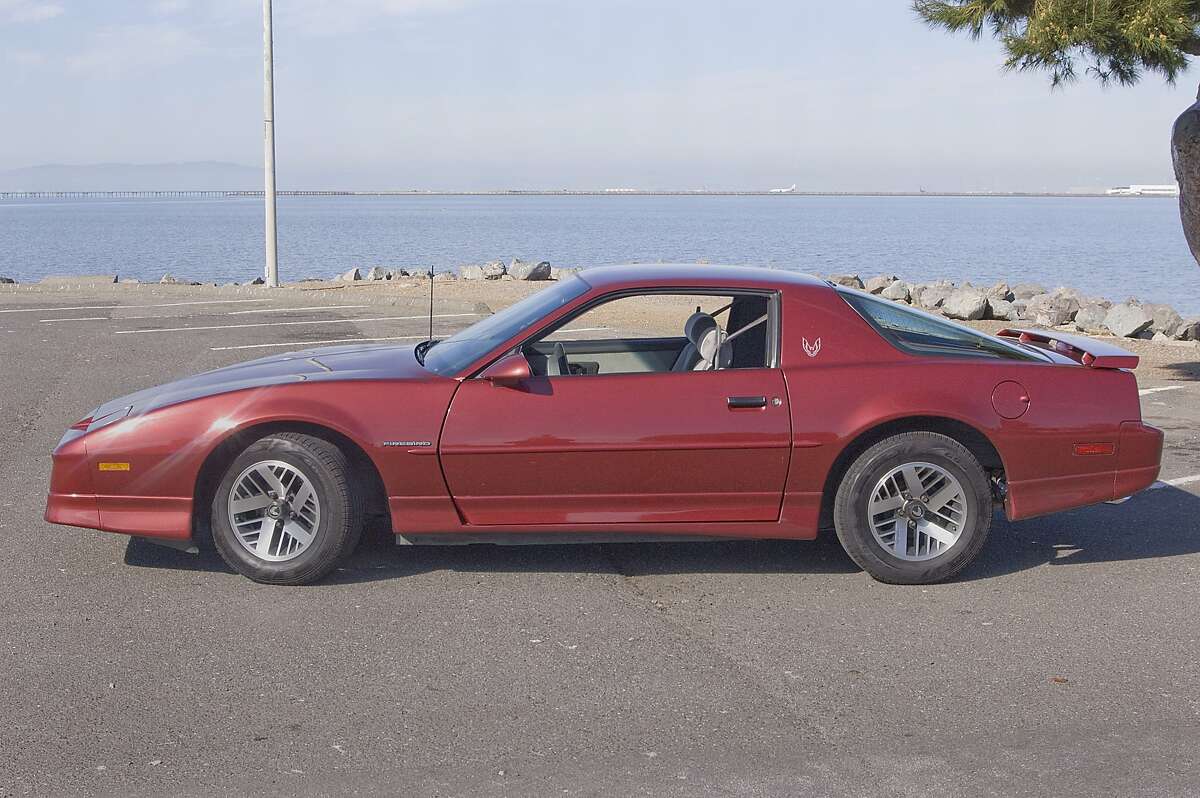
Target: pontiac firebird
797,405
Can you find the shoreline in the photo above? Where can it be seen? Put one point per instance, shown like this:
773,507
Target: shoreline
258,194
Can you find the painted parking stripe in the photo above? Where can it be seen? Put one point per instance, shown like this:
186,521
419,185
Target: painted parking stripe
289,323
1147,391
303,344
78,318
112,307
1176,483
306,344
288,310
227,313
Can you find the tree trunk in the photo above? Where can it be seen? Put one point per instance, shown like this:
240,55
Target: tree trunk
1185,154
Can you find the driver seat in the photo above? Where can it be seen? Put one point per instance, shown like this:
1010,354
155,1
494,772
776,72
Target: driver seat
706,343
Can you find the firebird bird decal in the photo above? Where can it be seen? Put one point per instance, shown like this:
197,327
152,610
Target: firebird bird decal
811,349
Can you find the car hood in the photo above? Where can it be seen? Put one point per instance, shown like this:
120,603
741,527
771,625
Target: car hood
350,362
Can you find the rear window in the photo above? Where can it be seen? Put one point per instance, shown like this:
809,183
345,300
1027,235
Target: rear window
920,333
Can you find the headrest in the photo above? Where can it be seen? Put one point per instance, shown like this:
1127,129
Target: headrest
698,326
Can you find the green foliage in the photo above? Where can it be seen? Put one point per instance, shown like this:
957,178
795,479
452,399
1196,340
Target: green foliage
1114,40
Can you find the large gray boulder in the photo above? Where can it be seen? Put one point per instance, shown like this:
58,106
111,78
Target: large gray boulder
7,281
1090,319
1002,309
999,291
848,280
350,276
897,291
471,272
1190,331
968,304
563,272
1028,290
875,285
1051,310
1165,319
1127,321
931,297
494,270
529,270
377,273
169,279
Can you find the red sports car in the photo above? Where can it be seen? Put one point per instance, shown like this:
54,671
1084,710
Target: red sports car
740,403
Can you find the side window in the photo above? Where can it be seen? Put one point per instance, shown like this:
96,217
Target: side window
659,332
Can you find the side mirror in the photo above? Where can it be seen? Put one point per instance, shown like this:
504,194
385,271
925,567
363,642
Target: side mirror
508,370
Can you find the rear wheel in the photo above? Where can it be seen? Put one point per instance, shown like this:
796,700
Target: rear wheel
914,508
286,512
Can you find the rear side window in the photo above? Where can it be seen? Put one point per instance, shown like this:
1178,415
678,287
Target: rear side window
921,333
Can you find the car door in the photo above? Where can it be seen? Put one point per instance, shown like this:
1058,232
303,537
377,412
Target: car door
696,446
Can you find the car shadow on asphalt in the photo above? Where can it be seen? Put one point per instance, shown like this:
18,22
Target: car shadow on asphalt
1161,522
1164,522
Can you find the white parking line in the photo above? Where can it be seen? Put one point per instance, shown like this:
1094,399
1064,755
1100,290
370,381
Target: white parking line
306,344
81,318
1175,483
303,344
288,323
287,310
1146,391
113,307
226,313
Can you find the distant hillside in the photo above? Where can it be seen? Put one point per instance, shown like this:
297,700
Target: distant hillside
194,175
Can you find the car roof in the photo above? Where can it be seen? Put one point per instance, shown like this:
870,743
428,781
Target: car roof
641,275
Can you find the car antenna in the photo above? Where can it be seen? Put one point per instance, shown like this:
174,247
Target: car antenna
431,303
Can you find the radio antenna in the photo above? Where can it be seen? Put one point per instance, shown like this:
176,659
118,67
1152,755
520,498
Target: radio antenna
430,303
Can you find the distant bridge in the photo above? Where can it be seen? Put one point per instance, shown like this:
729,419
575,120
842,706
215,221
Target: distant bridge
151,194
18,195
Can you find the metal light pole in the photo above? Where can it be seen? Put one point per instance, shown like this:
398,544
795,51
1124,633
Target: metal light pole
272,265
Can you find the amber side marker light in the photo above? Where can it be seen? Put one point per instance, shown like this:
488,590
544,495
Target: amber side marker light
1089,449
114,466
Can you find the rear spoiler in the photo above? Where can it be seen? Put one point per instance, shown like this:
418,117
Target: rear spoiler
1081,349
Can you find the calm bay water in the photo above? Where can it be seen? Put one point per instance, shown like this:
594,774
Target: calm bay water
1110,247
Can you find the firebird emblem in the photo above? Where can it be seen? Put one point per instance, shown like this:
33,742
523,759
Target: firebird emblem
811,349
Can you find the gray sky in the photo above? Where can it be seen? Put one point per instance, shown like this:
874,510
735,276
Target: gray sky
478,94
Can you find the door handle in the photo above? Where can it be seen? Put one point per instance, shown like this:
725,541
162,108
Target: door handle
745,402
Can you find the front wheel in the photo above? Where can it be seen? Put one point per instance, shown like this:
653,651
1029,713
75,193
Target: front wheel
914,508
286,511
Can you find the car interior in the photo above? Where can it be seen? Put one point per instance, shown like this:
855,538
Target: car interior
657,333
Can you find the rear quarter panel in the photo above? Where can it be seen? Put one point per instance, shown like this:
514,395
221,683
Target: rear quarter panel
858,381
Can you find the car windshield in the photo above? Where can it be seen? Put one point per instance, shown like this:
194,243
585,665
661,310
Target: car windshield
454,354
920,332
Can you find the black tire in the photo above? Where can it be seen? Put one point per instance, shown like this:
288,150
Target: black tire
341,516
851,519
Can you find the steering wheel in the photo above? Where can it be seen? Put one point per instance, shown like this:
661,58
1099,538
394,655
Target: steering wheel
560,360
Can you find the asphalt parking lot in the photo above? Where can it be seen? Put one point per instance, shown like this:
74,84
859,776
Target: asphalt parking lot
1063,662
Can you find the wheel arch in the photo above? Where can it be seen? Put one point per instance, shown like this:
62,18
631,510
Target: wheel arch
208,478
974,439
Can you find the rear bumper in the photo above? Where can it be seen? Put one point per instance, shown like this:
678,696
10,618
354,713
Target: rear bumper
1139,458
1135,467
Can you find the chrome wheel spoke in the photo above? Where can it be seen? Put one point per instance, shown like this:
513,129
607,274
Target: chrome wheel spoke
917,511
274,510
943,536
